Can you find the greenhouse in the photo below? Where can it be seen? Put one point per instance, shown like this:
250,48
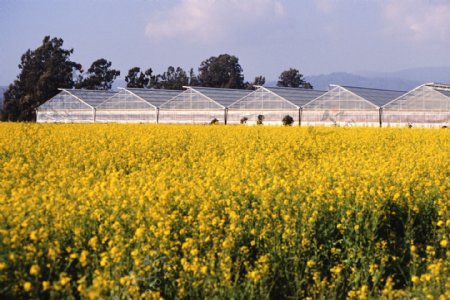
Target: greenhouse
344,105
132,105
72,106
425,106
200,105
270,105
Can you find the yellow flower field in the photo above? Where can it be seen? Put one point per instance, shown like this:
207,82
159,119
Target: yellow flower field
177,211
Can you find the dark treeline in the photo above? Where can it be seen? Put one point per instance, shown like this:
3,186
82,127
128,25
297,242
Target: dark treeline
49,67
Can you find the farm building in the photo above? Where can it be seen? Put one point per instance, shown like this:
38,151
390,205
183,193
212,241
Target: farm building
273,103
343,105
72,106
133,105
425,106
199,105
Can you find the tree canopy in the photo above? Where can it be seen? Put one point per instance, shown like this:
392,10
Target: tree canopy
42,72
172,79
293,78
259,80
223,71
99,76
138,79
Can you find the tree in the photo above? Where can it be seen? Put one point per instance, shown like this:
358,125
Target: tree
193,79
43,71
99,76
223,71
293,78
173,79
138,79
259,80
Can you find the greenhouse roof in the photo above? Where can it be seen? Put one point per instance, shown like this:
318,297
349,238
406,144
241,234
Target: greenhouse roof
420,97
446,93
91,97
439,86
224,97
297,96
155,97
378,97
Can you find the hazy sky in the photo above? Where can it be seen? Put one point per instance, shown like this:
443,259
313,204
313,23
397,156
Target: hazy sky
268,36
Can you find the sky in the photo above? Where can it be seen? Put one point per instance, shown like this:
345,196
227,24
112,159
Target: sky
268,36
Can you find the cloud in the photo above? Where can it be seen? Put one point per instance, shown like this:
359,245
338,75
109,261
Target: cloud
418,21
208,21
326,6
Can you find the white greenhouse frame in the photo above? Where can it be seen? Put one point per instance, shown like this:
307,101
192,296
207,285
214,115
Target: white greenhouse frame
72,106
273,103
348,106
133,105
427,105
199,105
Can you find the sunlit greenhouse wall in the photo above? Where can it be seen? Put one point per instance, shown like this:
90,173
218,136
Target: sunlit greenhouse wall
199,105
347,106
71,106
261,102
425,106
134,105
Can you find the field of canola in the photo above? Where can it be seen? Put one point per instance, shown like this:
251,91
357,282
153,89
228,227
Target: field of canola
150,211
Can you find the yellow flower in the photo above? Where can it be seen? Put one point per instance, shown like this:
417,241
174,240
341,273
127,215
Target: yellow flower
34,270
444,243
27,286
83,257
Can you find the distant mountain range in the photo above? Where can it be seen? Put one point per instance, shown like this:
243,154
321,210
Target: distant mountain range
404,80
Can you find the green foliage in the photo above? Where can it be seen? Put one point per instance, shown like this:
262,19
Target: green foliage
259,80
173,79
244,120
138,79
43,71
288,120
293,78
193,79
99,76
259,120
223,71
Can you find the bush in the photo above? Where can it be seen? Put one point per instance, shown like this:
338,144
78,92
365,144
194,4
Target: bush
288,120
244,120
260,120
214,122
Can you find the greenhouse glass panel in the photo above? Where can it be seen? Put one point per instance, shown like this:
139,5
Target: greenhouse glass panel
72,106
155,97
272,103
425,106
225,97
185,116
194,107
126,107
64,101
191,100
271,117
65,108
347,106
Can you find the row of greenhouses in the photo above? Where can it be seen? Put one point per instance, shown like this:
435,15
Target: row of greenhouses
425,106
